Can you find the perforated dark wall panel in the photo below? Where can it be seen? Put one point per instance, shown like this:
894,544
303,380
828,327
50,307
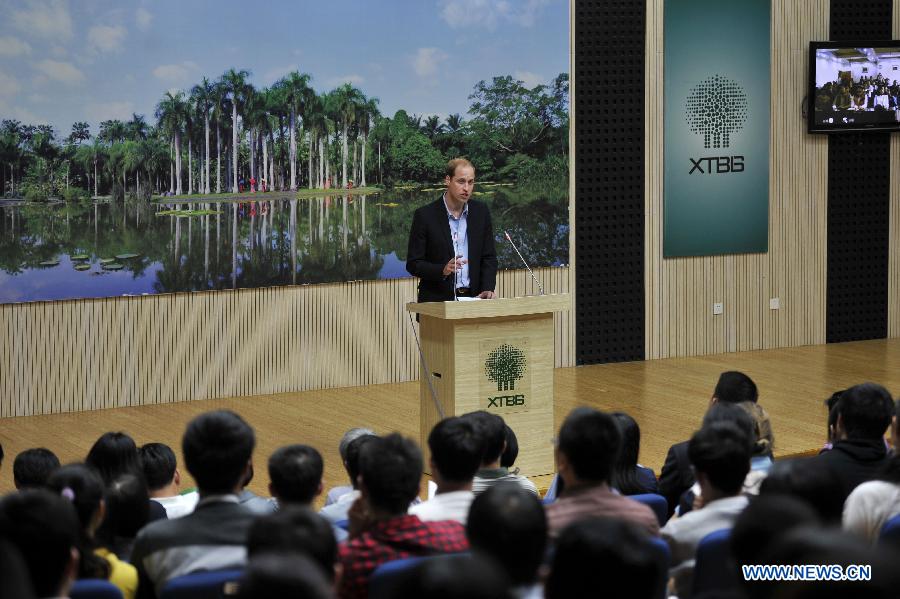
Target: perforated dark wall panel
858,201
609,180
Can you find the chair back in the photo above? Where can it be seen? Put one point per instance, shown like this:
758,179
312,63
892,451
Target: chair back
655,502
201,585
94,588
715,568
890,532
387,576
664,556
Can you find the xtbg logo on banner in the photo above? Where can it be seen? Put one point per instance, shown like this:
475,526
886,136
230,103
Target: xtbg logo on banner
506,367
716,108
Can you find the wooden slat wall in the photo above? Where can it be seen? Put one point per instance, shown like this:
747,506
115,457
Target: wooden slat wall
91,354
894,255
681,292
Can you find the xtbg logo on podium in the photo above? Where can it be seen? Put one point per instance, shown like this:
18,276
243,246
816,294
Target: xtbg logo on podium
506,382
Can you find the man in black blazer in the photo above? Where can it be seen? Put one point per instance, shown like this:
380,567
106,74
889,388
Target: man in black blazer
451,242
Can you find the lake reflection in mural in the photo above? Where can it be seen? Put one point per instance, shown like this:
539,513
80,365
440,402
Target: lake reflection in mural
101,249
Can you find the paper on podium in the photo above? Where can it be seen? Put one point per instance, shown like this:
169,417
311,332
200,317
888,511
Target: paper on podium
467,299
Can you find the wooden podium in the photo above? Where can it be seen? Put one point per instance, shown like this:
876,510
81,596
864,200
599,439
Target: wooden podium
494,355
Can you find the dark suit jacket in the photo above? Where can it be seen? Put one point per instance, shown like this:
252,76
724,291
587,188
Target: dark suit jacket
676,475
854,461
431,248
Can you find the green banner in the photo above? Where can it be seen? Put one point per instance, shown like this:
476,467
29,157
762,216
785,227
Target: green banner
716,155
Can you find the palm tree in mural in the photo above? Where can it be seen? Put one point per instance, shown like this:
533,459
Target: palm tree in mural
454,123
221,109
137,128
203,97
316,127
368,112
346,99
432,126
171,113
296,87
236,85
113,131
133,157
254,120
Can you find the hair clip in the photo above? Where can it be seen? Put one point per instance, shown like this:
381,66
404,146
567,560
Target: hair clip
68,493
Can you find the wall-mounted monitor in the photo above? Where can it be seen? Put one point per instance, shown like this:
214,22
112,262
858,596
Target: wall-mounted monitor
854,86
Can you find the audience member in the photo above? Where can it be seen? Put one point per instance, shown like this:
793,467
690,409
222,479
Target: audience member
160,469
284,575
720,455
338,511
605,554
32,467
629,477
455,457
452,577
830,405
115,454
858,453
509,525
870,505
217,448
43,527
588,443
511,451
354,433
253,502
84,488
127,512
296,530
390,469
14,579
492,431
800,479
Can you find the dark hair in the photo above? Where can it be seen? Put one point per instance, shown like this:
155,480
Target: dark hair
82,486
14,579
452,577
32,467
353,451
217,446
492,431
735,387
511,452
765,520
721,451
391,468
127,510
113,454
294,530
44,528
590,440
831,406
591,552
284,575
865,411
455,449
809,481
624,473
296,473
736,415
158,464
509,524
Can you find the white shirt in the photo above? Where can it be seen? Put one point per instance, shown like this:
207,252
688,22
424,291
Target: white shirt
445,506
869,507
179,505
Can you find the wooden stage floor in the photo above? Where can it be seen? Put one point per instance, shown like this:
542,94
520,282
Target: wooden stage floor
666,397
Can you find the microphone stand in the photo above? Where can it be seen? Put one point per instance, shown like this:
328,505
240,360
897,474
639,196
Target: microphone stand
512,243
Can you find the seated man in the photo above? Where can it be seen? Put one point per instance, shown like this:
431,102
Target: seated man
858,454
252,501
354,433
163,480
720,455
33,467
217,448
390,469
508,524
588,443
295,472
455,456
296,530
45,529
492,431
337,511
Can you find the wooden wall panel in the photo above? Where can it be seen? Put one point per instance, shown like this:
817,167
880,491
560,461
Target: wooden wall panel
92,354
894,235
680,292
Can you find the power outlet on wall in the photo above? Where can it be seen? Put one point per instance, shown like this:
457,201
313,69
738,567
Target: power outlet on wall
718,308
775,303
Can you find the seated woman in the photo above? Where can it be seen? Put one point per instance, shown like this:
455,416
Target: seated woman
84,488
629,477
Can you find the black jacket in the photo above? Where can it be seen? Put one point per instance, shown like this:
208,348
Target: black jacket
431,248
676,475
854,461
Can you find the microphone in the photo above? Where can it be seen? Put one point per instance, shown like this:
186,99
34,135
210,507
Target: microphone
513,244
455,272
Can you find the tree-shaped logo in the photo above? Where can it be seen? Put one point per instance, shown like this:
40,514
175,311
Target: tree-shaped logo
505,365
716,108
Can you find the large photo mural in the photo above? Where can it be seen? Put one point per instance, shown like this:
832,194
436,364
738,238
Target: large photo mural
161,147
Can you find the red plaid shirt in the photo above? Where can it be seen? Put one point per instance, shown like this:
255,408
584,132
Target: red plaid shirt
397,538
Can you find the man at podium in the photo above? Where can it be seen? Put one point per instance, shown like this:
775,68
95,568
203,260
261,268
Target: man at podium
451,242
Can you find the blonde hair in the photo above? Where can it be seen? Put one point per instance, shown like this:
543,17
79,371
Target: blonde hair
456,163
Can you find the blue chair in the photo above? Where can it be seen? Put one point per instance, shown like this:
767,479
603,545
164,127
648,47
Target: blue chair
201,585
715,568
655,502
553,492
386,576
890,532
94,588
664,556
